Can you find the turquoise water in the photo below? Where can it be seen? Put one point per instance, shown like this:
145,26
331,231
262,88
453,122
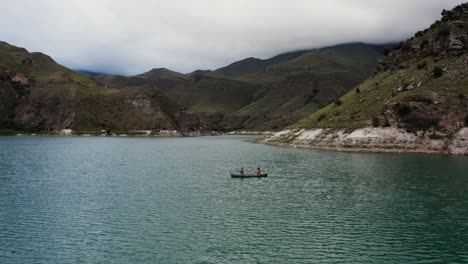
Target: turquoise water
171,200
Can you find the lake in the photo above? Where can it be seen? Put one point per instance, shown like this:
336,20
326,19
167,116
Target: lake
171,200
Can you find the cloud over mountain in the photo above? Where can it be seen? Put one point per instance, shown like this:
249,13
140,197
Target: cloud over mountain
129,37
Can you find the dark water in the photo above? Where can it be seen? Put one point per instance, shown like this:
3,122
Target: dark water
142,200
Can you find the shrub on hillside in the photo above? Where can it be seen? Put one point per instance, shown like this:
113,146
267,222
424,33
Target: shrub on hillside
386,122
421,65
338,102
403,109
437,72
321,117
424,43
415,122
358,90
197,77
375,122
406,47
444,30
386,52
7,132
397,47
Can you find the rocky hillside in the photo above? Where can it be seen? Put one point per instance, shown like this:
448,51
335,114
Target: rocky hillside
37,94
416,101
255,94
207,94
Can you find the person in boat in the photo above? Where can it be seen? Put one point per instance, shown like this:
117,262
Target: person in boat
258,172
242,171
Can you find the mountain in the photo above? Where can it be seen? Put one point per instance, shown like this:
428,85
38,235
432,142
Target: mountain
37,94
310,81
415,102
253,68
210,96
255,94
90,73
282,65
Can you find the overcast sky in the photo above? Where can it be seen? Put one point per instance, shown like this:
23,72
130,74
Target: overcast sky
133,36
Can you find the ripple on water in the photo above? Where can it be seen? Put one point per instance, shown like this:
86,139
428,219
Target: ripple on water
141,200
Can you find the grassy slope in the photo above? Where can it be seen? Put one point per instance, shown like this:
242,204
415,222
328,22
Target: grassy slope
442,99
358,109
255,70
347,57
313,80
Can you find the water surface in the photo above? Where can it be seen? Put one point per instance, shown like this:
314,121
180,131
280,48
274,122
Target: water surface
171,200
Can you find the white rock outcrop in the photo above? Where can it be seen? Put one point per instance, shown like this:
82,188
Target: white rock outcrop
371,139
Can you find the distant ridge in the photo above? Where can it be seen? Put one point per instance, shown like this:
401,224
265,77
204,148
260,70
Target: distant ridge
251,93
91,73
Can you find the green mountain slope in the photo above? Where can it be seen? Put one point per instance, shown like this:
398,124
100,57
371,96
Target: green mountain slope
37,94
311,81
266,94
254,69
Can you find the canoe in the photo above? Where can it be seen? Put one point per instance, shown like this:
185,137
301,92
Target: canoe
237,175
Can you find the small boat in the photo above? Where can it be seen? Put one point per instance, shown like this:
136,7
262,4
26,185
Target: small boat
238,175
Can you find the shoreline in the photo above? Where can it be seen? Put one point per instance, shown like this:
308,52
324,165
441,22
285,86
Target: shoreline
135,133
371,140
306,139
356,150
131,133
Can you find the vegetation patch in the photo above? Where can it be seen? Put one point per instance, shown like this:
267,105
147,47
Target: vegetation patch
321,117
403,109
421,65
375,122
416,121
437,72
444,30
8,132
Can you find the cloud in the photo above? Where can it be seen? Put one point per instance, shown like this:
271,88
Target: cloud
129,37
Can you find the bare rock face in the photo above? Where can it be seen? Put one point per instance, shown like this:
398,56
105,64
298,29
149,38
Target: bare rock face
371,139
127,110
455,44
13,76
187,122
448,37
36,113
